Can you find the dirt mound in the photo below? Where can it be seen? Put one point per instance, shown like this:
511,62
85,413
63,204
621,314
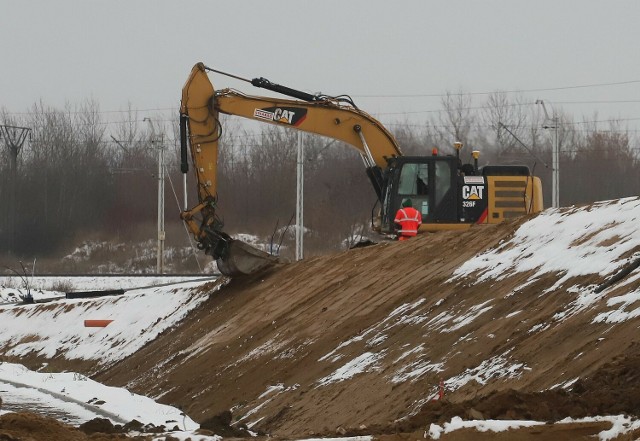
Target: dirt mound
99,425
25,426
359,343
221,425
363,338
612,390
103,425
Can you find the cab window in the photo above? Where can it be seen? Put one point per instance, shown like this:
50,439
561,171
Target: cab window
443,180
414,179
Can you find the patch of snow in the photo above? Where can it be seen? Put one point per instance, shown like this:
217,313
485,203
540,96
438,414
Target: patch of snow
567,241
539,327
620,314
415,370
493,368
458,321
457,423
139,316
363,363
418,349
620,425
376,340
473,313
333,357
89,399
269,347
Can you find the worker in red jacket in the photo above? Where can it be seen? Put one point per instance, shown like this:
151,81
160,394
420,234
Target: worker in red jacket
408,220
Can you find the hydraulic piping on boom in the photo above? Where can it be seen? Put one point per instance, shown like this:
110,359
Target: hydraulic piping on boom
449,195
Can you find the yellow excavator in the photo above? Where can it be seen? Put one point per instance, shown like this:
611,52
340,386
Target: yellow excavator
450,195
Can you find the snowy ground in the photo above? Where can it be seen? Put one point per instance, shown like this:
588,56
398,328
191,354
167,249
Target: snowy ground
75,399
82,399
620,424
45,288
138,316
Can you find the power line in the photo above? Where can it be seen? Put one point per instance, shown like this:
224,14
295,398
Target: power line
548,89
525,104
410,95
81,112
390,124
596,102
170,119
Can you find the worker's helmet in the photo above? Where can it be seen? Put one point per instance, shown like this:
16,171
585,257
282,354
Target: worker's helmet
407,203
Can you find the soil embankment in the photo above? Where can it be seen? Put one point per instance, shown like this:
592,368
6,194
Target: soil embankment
363,339
383,340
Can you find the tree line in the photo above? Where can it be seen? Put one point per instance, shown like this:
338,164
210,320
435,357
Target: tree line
79,176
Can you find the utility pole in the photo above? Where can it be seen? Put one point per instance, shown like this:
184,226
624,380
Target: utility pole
161,232
300,200
300,194
553,123
14,138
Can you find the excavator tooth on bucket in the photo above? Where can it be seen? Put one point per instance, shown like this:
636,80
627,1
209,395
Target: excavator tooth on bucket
243,259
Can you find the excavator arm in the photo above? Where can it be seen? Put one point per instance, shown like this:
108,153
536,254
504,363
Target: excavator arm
200,131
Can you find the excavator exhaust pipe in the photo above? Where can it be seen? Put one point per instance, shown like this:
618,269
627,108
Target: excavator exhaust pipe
243,259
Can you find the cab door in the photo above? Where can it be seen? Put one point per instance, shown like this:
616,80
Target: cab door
430,183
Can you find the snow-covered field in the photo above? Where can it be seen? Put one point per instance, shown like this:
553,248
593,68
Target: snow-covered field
80,283
138,317
85,397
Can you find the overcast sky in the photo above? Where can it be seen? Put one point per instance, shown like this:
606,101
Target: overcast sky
391,57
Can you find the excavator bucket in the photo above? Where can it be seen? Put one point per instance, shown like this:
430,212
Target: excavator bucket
243,259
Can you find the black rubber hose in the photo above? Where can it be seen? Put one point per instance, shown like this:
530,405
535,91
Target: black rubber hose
619,276
184,164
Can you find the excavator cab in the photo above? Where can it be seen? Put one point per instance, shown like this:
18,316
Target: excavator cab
452,196
431,184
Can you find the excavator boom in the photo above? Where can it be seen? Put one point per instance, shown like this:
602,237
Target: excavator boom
200,127
327,118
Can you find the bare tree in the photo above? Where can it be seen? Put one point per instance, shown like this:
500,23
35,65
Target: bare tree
415,140
501,111
457,120
602,165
